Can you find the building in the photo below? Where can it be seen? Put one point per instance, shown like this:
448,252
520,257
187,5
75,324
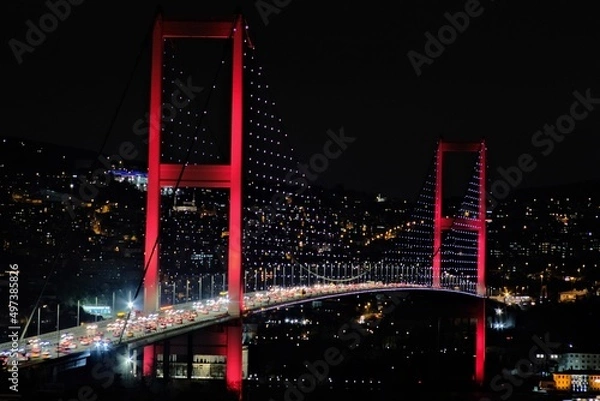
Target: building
577,372
577,381
579,361
98,310
573,295
204,366
137,178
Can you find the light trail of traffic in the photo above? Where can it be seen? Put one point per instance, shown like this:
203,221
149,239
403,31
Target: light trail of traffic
105,334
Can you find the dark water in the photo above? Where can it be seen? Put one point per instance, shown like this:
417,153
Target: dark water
392,394
252,391
405,395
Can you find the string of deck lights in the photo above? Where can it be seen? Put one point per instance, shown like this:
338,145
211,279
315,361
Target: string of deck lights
460,256
413,251
290,235
181,127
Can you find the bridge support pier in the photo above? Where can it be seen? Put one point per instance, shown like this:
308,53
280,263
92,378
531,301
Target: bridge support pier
233,373
148,365
480,343
166,359
190,355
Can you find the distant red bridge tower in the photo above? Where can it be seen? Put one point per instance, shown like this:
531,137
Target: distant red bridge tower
478,225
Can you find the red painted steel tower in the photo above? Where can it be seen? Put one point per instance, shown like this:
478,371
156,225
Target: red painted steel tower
206,176
443,223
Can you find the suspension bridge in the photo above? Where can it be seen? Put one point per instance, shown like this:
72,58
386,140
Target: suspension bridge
255,219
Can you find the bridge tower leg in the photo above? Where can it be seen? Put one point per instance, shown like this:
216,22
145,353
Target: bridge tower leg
481,261
203,176
151,243
443,223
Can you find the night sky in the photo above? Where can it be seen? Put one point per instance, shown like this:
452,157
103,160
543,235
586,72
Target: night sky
335,64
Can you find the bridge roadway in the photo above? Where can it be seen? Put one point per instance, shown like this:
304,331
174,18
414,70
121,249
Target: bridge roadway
179,319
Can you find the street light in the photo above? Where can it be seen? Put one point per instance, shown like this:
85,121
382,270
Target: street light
58,329
39,319
130,363
187,290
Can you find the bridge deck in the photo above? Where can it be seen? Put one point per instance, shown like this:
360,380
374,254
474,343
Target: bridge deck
169,322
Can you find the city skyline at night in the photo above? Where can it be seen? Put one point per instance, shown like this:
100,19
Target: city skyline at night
368,220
